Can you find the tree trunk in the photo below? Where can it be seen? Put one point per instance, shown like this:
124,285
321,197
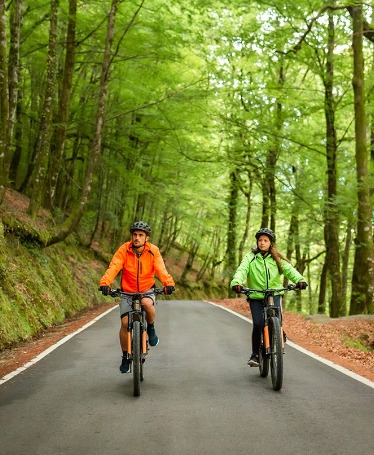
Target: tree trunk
15,170
331,214
62,231
290,247
300,263
231,263
248,195
270,170
265,202
5,156
32,125
269,189
291,238
345,262
59,136
41,161
362,289
216,246
190,260
322,290
14,67
207,260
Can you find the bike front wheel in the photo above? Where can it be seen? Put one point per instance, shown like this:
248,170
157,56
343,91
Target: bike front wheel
276,353
136,361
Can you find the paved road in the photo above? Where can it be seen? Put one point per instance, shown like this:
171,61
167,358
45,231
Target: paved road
199,396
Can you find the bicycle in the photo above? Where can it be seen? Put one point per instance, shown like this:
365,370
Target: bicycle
272,335
137,341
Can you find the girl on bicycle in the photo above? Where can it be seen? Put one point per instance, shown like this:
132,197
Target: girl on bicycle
262,269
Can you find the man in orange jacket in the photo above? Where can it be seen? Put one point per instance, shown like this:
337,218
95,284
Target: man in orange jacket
139,261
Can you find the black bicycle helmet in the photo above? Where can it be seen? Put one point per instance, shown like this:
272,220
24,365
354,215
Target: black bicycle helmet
140,226
267,232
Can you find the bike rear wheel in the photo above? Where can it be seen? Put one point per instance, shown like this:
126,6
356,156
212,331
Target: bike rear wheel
263,359
276,354
136,361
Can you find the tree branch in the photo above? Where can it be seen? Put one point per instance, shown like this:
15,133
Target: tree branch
298,45
368,29
152,103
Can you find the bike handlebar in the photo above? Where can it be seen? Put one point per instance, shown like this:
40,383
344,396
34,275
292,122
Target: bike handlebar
117,292
290,287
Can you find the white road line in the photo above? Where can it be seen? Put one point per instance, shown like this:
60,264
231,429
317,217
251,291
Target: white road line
305,351
51,348
290,343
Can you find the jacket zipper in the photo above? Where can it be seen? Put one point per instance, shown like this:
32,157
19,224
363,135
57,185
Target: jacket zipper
138,273
267,273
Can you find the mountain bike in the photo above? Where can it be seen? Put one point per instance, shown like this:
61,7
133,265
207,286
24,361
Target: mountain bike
272,335
137,340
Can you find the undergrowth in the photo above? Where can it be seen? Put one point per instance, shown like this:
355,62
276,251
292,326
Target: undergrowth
363,343
42,287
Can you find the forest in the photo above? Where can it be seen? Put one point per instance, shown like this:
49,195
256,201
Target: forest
207,120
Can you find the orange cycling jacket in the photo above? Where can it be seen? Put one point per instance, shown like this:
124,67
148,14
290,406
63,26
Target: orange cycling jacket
138,273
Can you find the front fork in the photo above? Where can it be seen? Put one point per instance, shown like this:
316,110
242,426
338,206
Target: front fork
144,336
275,311
135,316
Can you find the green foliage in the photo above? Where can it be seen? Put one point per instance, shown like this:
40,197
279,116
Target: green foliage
197,90
40,288
362,343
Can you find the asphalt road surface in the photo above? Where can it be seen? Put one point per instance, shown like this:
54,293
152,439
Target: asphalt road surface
198,397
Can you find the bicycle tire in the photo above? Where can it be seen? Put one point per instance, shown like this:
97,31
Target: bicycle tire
137,360
263,359
142,359
276,353
143,344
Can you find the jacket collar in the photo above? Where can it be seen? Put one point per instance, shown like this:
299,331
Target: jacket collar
130,250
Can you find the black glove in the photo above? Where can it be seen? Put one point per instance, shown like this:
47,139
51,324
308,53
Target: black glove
301,285
237,288
105,290
169,290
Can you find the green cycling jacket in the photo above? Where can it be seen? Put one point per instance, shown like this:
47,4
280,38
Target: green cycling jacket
262,273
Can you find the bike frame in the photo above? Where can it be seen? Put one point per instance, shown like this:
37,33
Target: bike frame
270,310
137,314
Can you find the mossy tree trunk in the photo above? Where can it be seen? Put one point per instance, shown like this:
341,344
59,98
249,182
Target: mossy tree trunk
38,177
362,277
331,213
4,104
62,117
62,231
